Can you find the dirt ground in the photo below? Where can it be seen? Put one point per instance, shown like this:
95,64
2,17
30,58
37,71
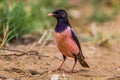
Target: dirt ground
104,62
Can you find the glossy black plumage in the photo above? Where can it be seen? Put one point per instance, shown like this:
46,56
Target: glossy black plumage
66,39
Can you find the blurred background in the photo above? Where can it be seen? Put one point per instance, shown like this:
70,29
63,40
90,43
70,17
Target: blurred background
21,17
28,50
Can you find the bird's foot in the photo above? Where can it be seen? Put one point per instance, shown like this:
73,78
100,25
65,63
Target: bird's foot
54,70
59,69
68,71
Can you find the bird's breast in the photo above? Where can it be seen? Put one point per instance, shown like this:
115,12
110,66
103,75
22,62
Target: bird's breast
65,43
61,36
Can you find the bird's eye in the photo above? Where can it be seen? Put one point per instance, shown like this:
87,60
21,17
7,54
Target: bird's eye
55,12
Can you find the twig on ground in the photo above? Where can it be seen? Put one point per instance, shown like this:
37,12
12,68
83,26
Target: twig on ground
43,40
30,50
26,72
22,53
104,42
7,78
40,40
43,44
94,31
57,58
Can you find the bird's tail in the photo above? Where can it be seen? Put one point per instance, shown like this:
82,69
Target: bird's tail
82,61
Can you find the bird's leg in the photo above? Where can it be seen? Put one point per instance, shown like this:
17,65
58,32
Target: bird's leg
64,57
74,63
75,58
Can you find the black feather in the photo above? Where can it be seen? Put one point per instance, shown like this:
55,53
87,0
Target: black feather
80,56
77,42
62,24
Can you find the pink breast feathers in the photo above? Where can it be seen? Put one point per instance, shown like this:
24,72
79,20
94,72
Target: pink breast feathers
65,43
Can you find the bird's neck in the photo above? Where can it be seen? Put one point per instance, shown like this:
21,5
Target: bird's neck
62,24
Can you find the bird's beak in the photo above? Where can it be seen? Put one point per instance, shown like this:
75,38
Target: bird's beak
50,14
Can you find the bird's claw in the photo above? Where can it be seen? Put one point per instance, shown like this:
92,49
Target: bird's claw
68,71
59,69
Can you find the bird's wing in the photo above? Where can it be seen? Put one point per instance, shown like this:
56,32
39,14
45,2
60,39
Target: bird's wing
76,40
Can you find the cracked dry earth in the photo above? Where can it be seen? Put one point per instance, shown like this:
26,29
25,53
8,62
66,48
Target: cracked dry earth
104,62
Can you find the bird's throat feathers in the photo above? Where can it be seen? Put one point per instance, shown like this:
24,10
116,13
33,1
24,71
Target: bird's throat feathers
62,24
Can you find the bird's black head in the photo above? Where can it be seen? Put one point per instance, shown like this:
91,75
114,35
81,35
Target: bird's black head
62,19
59,14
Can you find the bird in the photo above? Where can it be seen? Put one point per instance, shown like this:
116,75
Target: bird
66,39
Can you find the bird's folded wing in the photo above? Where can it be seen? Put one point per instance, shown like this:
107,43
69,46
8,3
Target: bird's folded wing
76,40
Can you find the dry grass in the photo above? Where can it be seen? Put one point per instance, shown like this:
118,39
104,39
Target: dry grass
6,33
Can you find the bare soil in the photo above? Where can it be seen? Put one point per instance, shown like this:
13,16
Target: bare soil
104,62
